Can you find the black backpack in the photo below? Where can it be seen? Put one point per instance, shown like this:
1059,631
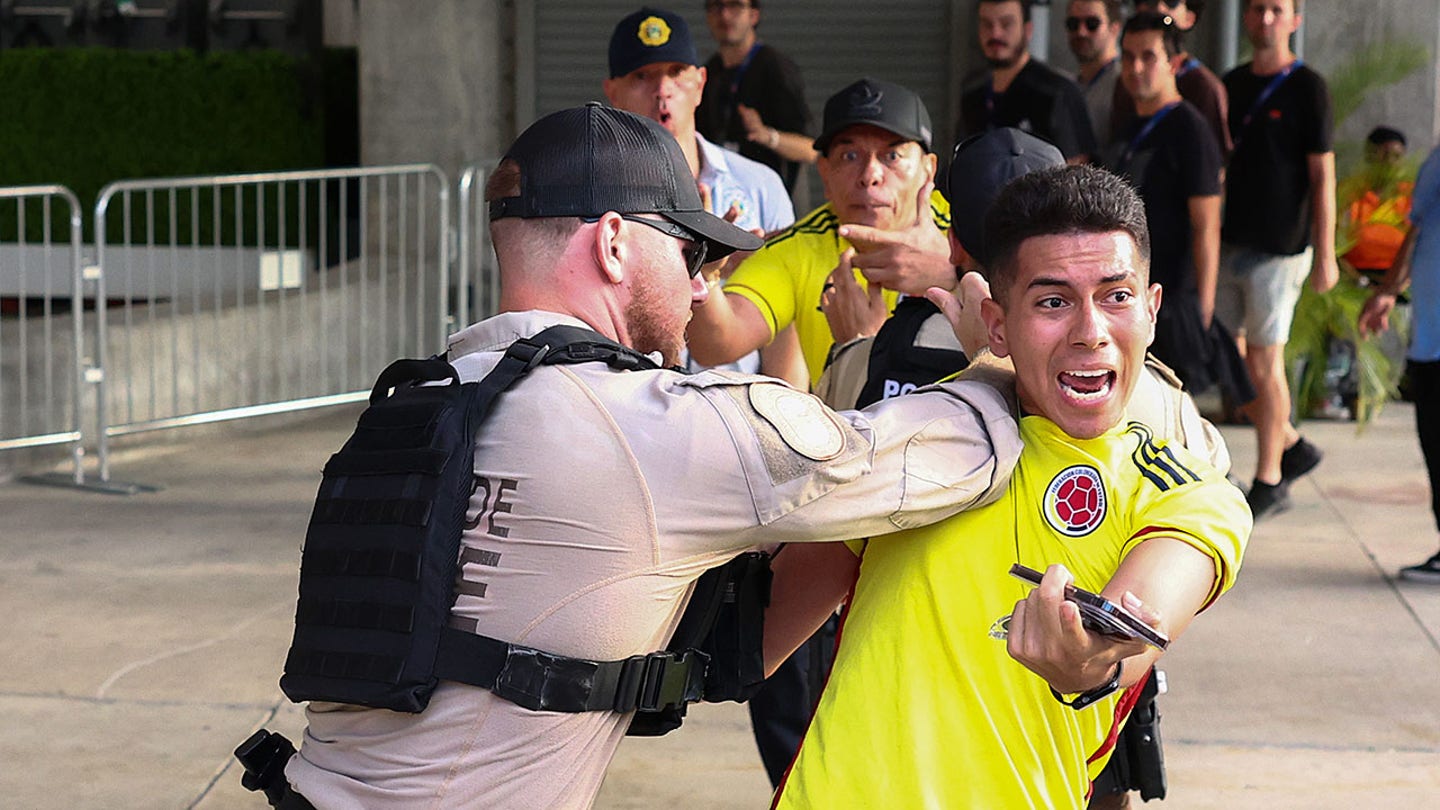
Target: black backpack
381,555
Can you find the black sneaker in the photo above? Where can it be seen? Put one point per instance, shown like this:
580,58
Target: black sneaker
1299,459
1268,499
1428,571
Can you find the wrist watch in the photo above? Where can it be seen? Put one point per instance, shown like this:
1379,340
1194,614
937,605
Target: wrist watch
1095,695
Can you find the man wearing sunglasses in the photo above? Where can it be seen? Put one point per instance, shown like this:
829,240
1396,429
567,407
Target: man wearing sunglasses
1020,91
1091,29
1197,83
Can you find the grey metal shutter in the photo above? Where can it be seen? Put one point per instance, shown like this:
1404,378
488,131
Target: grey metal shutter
834,43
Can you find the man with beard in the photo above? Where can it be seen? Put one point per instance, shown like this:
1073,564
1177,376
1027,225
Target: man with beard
1021,91
1091,29
602,493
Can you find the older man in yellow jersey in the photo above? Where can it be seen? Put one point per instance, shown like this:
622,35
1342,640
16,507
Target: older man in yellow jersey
882,222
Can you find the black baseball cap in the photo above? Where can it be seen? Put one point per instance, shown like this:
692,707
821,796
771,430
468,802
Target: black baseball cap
983,165
879,103
648,36
585,161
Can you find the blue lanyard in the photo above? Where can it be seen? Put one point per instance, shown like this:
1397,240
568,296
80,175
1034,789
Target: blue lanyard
740,72
1101,72
1275,82
1144,132
1190,64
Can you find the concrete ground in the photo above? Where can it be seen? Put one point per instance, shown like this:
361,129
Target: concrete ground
144,636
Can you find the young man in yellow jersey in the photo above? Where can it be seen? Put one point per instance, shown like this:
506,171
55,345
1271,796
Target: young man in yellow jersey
954,684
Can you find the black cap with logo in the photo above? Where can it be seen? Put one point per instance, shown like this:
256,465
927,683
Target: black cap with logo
585,161
648,36
878,103
984,164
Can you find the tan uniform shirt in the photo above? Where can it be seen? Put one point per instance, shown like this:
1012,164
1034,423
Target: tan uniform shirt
601,495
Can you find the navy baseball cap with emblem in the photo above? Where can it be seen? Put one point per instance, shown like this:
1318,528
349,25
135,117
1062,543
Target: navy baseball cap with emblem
648,36
585,161
878,103
984,164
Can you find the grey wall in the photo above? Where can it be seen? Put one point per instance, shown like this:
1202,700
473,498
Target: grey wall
1331,32
436,81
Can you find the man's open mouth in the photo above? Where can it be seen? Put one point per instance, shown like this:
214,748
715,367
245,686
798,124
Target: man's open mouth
1087,386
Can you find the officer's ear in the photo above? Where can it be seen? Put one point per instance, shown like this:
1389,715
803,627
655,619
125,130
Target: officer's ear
610,247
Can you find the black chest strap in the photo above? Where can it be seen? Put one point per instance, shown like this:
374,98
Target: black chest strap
536,679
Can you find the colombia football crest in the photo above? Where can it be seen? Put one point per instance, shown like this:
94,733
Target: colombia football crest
1074,503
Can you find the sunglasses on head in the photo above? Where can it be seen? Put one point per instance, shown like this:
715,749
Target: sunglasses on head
1092,24
694,250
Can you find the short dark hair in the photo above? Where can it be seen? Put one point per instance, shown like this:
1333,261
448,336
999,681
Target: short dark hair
1195,6
1114,10
1170,34
1057,201
1380,136
1024,7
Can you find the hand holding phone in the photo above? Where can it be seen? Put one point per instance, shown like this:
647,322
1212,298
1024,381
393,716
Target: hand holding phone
1100,615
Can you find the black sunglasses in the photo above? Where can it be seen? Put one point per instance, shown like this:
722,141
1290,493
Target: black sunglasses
695,249
1092,24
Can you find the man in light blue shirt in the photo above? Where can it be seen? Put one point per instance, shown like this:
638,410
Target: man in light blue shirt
1418,265
655,71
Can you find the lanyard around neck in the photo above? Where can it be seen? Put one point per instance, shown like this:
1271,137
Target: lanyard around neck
1144,133
1274,84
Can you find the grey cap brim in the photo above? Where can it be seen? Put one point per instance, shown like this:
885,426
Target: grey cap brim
722,237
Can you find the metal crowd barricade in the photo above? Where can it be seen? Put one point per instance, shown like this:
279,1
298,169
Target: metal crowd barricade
41,321
477,286
234,296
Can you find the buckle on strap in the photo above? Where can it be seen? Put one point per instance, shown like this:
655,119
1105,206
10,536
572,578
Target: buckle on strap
529,354
649,682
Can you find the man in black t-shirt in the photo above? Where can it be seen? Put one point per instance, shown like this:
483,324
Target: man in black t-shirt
1196,82
1279,228
1171,157
1020,91
754,100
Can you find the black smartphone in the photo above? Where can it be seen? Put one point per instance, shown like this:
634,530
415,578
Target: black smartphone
1100,615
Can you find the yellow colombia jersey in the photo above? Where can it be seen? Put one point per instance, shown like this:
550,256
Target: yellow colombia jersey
924,708
785,278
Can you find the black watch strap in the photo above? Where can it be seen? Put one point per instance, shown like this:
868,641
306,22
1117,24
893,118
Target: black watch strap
1095,695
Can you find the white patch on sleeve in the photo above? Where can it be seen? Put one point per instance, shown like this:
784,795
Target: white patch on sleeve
803,423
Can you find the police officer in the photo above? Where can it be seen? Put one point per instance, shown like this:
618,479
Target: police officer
601,494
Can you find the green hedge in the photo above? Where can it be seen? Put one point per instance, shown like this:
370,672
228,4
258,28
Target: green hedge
89,116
